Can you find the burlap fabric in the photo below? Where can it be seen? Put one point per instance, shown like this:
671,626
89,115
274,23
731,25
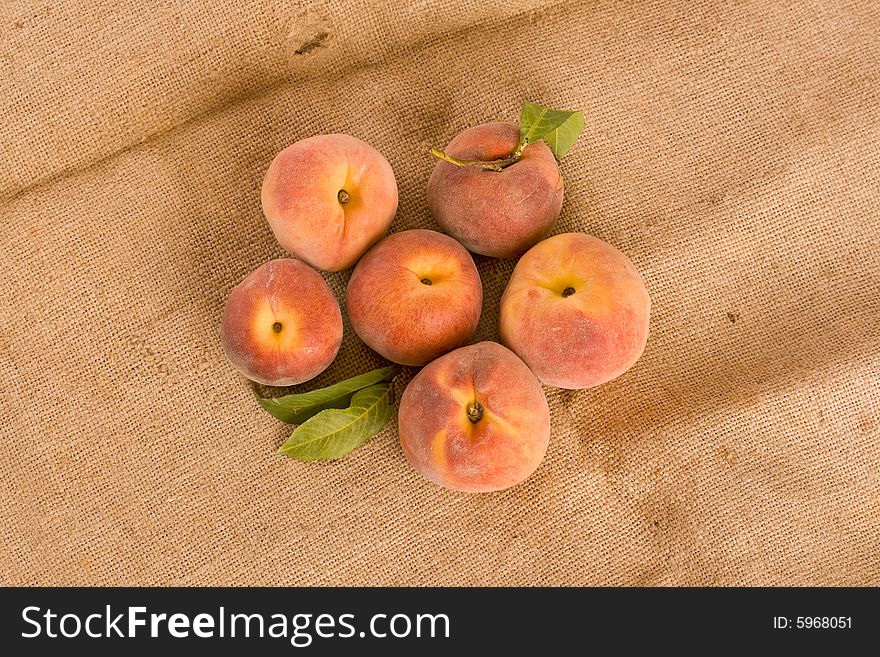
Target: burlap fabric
732,150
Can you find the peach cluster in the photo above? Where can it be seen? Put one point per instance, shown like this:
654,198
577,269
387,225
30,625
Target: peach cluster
475,418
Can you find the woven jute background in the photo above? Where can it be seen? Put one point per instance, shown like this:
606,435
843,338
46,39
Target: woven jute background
732,150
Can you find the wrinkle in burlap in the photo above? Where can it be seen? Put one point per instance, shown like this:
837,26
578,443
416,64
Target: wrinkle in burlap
731,150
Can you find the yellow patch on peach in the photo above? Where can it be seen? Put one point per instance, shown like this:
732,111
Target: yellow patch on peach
273,329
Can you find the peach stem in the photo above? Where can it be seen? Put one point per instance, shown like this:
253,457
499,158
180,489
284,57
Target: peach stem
489,165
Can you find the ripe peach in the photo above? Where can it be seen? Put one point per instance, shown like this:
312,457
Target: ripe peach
328,199
282,325
576,311
415,295
475,420
496,213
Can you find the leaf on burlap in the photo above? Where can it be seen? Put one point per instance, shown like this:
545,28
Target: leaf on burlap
334,433
559,128
297,408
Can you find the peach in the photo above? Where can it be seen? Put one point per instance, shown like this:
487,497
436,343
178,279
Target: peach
475,420
576,311
415,295
496,213
281,325
328,199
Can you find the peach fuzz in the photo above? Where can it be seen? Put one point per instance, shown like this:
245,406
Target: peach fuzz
415,295
328,198
576,311
475,420
281,325
496,213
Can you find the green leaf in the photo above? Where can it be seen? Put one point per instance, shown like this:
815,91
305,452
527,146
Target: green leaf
296,409
562,138
559,127
334,433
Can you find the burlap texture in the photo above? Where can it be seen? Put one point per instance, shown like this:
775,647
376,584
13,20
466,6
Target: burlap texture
732,150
